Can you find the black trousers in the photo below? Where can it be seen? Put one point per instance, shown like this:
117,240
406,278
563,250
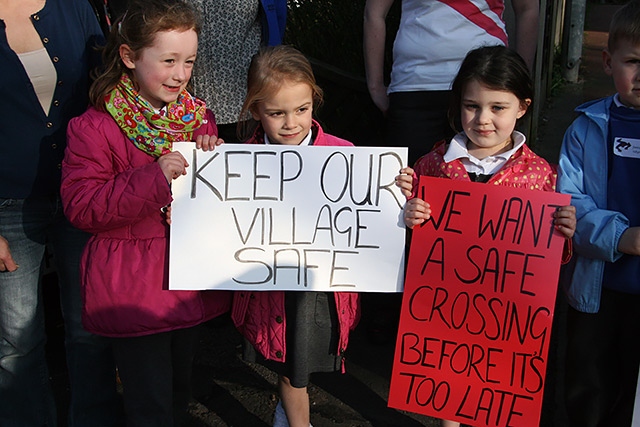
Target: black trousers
156,373
417,120
602,359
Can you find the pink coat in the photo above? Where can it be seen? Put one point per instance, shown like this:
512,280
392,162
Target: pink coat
115,191
525,169
260,316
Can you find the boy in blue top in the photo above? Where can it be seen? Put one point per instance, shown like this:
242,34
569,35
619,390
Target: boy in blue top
599,163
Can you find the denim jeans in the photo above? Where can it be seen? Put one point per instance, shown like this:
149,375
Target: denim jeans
25,393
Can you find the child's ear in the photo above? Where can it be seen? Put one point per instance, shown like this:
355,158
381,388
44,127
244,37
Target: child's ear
524,106
254,114
606,61
127,56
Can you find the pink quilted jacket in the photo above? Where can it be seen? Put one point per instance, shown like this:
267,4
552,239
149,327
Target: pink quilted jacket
524,169
260,316
114,190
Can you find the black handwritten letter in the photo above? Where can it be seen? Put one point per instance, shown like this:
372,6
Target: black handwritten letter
197,175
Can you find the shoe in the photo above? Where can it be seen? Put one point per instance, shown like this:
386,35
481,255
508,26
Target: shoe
280,417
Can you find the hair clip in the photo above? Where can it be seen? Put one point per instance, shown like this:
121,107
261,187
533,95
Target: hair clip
121,21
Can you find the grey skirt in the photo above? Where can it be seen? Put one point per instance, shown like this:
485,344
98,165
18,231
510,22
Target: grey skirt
312,337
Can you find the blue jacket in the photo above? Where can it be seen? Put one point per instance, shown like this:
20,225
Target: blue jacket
31,143
274,20
583,174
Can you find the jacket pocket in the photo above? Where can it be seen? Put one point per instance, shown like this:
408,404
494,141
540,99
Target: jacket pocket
239,307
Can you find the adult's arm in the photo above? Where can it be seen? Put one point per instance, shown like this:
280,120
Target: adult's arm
375,31
630,241
527,14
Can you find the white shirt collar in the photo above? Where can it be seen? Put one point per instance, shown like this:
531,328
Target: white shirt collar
305,141
618,103
489,165
616,100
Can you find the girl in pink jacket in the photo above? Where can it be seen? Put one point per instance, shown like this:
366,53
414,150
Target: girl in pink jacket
116,181
296,333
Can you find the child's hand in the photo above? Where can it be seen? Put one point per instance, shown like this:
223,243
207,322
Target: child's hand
167,214
208,142
416,211
405,181
565,220
173,165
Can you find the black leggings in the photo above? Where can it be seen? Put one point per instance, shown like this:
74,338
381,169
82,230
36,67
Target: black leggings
156,372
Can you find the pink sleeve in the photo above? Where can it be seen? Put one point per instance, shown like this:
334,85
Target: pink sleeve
100,189
208,128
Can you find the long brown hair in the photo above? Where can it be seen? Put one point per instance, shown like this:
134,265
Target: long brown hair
137,28
269,69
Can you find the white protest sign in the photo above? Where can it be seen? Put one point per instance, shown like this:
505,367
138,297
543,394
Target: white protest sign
272,217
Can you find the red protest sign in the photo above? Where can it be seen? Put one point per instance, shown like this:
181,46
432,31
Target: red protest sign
478,304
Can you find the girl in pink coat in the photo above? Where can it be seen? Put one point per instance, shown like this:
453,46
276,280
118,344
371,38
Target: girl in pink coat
116,183
296,333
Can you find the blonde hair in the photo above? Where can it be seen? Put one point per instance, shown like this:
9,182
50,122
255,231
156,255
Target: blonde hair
137,28
270,68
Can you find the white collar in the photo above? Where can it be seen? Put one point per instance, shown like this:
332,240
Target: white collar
458,147
487,166
305,141
616,100
618,103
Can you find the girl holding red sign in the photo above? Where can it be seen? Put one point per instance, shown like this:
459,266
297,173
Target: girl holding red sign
491,92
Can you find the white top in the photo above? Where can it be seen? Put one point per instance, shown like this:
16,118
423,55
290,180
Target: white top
42,74
305,141
487,166
435,36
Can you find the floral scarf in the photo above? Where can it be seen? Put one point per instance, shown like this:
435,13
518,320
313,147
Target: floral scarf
151,131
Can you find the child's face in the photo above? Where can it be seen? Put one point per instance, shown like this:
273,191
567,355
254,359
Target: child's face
162,70
488,118
286,116
624,66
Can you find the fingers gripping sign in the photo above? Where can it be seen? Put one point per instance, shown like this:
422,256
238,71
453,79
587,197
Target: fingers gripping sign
173,165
